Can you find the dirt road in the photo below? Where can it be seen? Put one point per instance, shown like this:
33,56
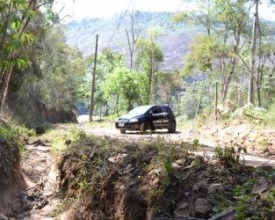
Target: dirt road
260,144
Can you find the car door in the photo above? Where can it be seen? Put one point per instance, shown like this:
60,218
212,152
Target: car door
165,119
156,117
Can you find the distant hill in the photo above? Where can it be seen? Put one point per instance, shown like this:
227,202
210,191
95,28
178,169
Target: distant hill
174,42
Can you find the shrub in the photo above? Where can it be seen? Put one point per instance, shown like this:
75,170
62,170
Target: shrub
269,118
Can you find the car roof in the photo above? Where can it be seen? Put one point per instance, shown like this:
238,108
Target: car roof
157,105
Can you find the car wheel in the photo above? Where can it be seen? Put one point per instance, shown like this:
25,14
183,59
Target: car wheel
142,127
122,130
172,128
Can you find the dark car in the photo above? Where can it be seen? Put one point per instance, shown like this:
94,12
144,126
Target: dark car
147,117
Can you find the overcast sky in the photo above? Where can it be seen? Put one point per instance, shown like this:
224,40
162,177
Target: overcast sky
79,9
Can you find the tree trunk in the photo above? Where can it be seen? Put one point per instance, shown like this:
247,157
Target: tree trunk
5,88
133,36
228,81
151,80
117,104
250,96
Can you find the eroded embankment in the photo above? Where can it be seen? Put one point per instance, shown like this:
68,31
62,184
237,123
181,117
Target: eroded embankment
158,178
103,178
11,180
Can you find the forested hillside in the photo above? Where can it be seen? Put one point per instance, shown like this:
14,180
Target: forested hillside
174,38
196,49
142,58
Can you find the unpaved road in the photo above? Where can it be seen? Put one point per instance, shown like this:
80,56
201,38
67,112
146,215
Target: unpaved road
209,136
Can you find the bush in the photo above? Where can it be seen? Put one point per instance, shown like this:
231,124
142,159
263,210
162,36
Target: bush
269,118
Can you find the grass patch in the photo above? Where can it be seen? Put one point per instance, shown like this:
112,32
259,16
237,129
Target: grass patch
102,123
58,145
16,135
269,117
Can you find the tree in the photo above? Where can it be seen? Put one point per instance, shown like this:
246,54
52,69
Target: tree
132,34
62,76
107,62
123,87
149,57
227,23
203,15
254,40
167,87
16,18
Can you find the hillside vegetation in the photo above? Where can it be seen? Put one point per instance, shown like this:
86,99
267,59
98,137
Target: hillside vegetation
174,40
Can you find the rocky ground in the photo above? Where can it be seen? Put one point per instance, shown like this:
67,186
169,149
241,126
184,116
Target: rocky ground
40,199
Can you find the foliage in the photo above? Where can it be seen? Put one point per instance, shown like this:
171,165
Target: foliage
179,16
229,156
77,134
17,34
167,88
15,135
117,87
250,112
269,117
148,59
60,77
195,98
221,52
25,132
201,56
249,199
124,84
58,146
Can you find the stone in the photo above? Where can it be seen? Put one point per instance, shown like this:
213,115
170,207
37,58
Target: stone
2,217
182,210
202,207
215,188
261,186
227,214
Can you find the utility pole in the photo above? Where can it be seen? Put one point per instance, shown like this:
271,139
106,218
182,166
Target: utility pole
93,83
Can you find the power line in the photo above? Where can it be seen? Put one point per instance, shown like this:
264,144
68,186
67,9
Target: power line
119,23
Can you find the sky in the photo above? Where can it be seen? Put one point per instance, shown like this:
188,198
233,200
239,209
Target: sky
79,9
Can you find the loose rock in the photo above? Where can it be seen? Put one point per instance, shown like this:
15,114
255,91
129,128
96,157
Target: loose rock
202,207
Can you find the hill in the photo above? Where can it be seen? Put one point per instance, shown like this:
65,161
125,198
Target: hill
174,41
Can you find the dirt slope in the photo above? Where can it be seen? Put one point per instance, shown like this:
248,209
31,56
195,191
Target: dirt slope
37,198
154,176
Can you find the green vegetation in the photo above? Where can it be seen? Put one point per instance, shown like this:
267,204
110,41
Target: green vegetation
15,136
229,156
221,53
269,117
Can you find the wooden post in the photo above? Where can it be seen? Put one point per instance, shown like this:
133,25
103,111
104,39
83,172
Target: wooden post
93,83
